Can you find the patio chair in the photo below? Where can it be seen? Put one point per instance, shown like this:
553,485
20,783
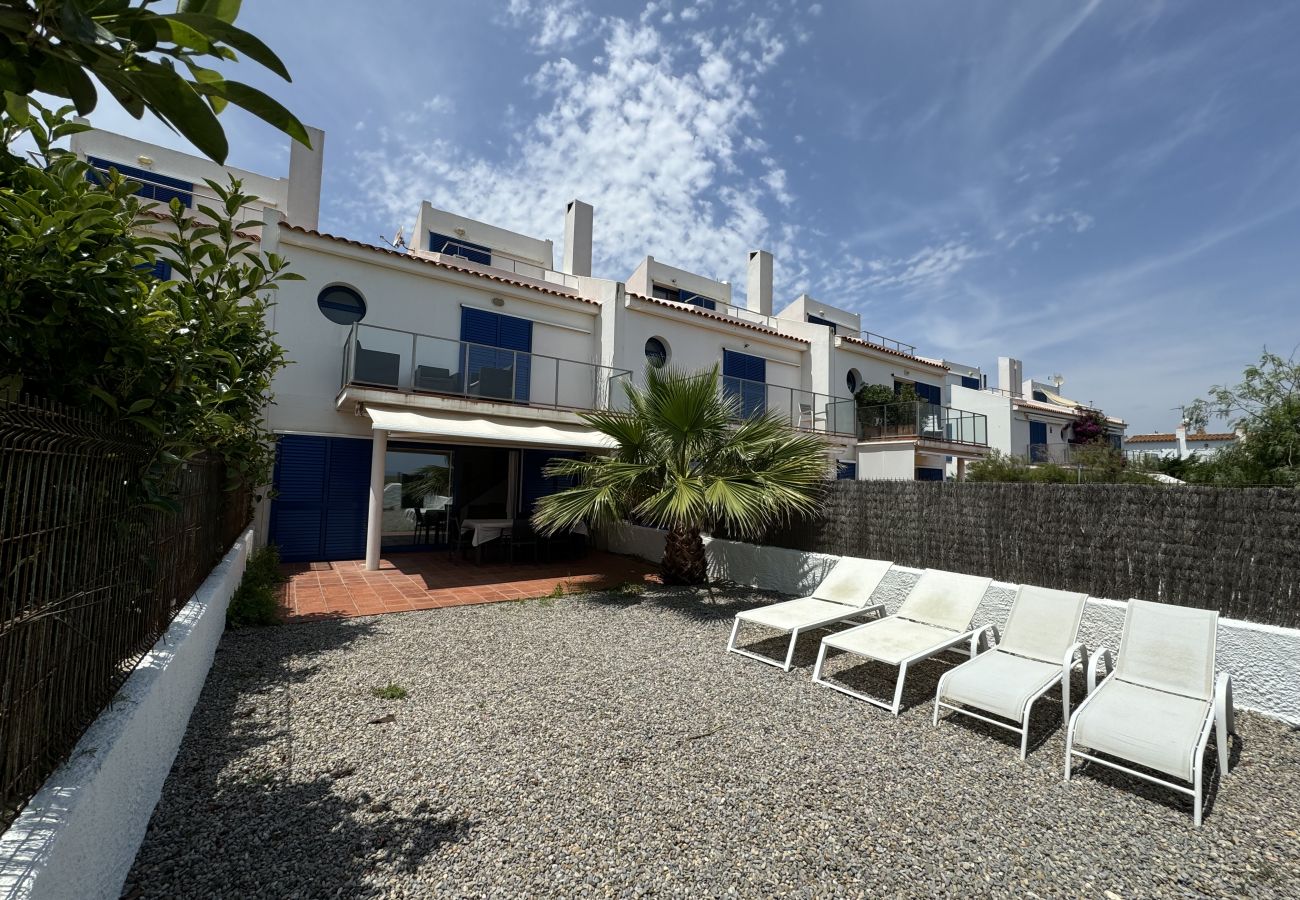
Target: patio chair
1158,705
1035,652
935,617
843,594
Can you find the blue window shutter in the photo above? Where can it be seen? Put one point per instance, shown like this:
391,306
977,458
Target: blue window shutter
751,390
928,474
322,494
846,471
454,246
491,329
968,382
152,185
162,270
533,484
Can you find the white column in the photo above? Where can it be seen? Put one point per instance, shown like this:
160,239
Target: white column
375,520
961,468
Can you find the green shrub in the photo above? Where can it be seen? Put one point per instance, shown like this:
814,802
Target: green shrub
256,601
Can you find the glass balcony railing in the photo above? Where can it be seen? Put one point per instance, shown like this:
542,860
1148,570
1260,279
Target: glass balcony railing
805,410
923,420
424,364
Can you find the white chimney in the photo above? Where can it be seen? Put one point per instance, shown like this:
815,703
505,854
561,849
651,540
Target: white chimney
1011,375
1181,434
577,237
758,284
302,206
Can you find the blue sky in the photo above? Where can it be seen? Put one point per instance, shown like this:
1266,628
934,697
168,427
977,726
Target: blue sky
1108,190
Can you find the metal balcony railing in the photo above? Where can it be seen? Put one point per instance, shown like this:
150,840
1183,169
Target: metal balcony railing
880,340
805,410
500,260
927,421
425,364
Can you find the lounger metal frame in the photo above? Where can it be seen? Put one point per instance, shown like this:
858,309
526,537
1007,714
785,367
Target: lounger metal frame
1220,716
821,625
1063,679
973,636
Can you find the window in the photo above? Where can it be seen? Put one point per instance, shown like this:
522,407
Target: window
697,300
498,354
930,393
854,381
660,292
341,304
968,382
1040,396
454,246
744,377
845,471
818,320
152,185
656,352
927,473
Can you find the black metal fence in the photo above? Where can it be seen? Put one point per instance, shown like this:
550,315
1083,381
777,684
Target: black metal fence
1236,550
89,577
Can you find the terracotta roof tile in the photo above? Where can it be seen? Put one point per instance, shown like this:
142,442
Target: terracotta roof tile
917,359
442,265
700,311
1157,438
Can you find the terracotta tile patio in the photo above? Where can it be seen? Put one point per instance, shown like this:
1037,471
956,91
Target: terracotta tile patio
410,581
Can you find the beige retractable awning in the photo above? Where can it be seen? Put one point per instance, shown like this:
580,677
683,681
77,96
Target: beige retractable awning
466,428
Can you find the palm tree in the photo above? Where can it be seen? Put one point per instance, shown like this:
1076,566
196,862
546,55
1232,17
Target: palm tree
686,461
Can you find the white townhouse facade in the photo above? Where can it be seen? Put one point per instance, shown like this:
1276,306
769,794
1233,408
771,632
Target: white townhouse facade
431,383
1179,444
1029,418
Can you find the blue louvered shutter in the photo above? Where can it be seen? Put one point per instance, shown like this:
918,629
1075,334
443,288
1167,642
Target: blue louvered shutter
517,334
152,185
299,505
929,474
745,376
347,498
533,484
322,496
846,471
487,330
968,382
1037,441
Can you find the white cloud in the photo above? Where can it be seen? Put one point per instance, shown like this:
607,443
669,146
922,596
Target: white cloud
654,132
559,23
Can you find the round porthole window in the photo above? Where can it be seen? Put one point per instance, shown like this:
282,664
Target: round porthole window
656,352
854,381
340,303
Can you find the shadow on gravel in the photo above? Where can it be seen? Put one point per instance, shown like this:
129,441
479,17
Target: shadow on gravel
232,812
710,603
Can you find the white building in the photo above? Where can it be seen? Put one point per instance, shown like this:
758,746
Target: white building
1179,444
455,368
1029,418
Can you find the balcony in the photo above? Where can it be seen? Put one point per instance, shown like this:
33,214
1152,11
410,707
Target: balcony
923,421
486,258
804,410
422,364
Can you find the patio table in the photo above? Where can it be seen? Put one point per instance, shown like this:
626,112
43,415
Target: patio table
490,529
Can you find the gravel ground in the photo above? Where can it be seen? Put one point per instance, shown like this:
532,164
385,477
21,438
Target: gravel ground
608,746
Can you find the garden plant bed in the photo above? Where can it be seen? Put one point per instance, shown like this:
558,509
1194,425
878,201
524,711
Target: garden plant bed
606,745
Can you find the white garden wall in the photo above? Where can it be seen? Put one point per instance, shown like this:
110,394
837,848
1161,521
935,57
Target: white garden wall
1264,660
79,835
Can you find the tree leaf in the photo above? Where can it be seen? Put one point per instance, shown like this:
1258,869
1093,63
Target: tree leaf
247,44
259,104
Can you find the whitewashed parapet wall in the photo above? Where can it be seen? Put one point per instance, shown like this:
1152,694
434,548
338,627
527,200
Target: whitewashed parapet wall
79,835
1264,660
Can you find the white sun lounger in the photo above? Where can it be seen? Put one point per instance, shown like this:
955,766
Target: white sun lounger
1035,652
845,593
935,616
1157,707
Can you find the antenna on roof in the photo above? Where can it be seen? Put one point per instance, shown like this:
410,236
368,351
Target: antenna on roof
398,240
1058,380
